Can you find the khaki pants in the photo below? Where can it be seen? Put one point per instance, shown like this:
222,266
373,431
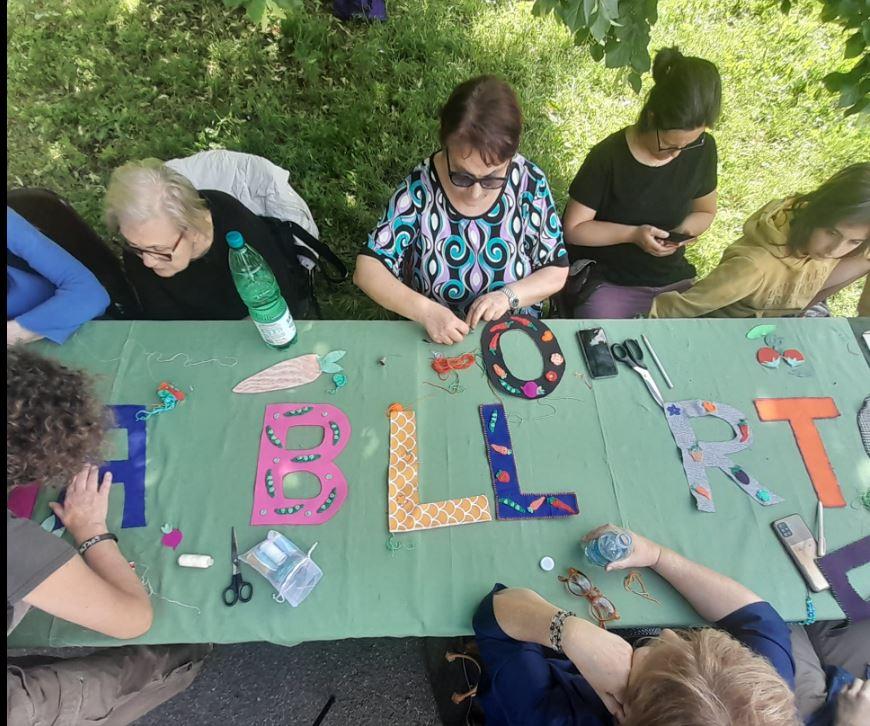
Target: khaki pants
110,687
815,647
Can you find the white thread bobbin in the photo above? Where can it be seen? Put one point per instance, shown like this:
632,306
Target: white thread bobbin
201,562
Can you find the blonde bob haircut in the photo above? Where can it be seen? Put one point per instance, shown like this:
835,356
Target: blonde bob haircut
143,190
707,678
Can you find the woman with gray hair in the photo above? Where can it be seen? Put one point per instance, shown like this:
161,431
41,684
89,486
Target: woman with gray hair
173,239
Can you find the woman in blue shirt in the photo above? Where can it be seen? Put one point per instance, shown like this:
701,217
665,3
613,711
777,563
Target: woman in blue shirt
740,672
49,293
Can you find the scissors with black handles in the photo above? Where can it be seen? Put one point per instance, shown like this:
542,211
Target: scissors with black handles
629,352
239,590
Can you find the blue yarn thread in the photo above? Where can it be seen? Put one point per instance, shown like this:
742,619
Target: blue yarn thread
811,612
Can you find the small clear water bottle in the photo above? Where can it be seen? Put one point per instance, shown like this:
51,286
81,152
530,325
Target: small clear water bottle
259,290
611,545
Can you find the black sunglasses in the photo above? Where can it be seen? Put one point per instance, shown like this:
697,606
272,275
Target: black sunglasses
140,253
693,145
464,180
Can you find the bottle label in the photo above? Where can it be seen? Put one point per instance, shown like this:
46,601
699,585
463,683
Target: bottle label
278,332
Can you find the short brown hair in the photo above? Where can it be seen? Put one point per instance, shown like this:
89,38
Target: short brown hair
707,678
484,114
54,422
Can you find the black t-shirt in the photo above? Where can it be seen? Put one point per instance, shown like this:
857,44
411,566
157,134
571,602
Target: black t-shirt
622,190
204,290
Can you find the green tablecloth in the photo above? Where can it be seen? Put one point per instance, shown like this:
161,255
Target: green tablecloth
610,444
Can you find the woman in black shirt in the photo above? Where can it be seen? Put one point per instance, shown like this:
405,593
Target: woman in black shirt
174,245
642,183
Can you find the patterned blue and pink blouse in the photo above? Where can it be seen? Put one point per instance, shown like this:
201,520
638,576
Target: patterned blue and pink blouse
452,258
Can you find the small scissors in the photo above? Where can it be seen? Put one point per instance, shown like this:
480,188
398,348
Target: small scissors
629,352
238,590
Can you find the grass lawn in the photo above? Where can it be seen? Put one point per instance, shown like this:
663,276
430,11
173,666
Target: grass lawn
350,109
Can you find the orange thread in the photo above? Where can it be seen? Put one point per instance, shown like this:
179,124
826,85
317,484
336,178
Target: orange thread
442,366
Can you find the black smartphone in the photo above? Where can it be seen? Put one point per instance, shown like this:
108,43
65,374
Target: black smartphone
596,353
675,238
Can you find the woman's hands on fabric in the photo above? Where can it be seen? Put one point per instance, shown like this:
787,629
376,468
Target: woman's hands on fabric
853,704
644,553
490,306
648,239
86,504
442,326
603,659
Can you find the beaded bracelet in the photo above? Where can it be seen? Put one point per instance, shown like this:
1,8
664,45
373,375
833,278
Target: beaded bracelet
556,628
88,543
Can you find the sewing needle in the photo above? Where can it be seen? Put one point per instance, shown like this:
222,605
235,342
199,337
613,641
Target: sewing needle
657,361
822,546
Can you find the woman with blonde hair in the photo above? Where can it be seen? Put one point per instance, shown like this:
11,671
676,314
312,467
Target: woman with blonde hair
740,672
174,245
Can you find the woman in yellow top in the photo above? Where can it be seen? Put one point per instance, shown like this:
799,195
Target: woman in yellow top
790,252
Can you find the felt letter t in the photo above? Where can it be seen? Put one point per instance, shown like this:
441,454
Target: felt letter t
800,414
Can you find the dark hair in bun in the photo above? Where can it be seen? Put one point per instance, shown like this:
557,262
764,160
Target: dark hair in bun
687,93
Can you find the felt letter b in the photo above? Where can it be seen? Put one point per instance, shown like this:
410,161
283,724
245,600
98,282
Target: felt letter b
800,414
271,506
698,455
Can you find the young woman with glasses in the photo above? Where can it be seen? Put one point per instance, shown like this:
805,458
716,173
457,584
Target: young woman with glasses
473,232
173,238
640,185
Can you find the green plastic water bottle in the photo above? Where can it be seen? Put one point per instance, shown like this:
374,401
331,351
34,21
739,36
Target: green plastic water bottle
260,292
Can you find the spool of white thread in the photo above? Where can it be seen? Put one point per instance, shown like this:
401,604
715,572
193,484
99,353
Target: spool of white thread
200,561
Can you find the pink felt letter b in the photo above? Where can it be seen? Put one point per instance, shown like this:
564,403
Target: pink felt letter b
275,462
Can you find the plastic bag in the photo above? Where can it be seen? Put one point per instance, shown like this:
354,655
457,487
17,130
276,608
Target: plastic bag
291,571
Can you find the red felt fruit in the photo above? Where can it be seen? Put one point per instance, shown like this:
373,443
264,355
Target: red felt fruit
503,477
793,357
768,357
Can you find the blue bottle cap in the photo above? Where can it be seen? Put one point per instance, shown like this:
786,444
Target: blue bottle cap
235,240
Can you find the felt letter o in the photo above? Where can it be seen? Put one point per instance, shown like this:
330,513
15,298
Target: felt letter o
499,372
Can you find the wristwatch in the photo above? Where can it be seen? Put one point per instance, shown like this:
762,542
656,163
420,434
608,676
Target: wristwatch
513,300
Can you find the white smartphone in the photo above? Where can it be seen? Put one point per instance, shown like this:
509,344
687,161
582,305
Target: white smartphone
799,542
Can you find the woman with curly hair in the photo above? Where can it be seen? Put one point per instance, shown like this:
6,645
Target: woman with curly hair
55,426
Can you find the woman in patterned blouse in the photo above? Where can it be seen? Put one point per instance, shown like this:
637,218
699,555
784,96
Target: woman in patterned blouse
472,233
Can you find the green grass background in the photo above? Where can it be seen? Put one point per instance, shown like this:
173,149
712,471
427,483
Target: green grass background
350,109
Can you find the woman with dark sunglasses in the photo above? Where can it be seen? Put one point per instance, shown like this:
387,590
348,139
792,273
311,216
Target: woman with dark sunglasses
644,193
472,233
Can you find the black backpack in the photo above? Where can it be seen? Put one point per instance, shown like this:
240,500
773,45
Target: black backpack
305,255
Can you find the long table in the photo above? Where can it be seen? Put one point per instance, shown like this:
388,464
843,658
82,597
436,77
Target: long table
606,440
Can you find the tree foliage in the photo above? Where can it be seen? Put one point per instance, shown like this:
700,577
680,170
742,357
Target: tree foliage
618,32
